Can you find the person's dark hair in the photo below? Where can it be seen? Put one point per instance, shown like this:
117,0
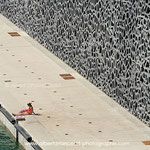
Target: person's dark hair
29,104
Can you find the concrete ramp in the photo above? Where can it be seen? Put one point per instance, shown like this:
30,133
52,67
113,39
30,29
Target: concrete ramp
72,113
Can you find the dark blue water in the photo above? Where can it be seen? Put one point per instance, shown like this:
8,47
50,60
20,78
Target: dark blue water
7,141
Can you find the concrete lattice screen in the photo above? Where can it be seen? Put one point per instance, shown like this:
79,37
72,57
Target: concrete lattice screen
106,41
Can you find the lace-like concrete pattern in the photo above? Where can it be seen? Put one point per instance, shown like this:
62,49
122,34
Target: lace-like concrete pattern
106,41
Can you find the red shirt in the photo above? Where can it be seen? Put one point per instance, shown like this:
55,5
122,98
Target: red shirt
29,110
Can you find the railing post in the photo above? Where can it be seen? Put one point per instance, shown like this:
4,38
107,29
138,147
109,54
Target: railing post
17,133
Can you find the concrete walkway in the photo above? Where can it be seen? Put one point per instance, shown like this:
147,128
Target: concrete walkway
74,112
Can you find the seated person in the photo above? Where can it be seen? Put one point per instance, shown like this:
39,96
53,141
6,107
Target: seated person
29,111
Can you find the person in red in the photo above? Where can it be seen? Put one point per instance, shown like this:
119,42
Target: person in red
29,111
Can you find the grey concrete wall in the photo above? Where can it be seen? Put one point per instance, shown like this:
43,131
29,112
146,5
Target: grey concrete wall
106,41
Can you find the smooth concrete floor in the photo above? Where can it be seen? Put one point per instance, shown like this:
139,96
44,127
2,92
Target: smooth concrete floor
74,114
